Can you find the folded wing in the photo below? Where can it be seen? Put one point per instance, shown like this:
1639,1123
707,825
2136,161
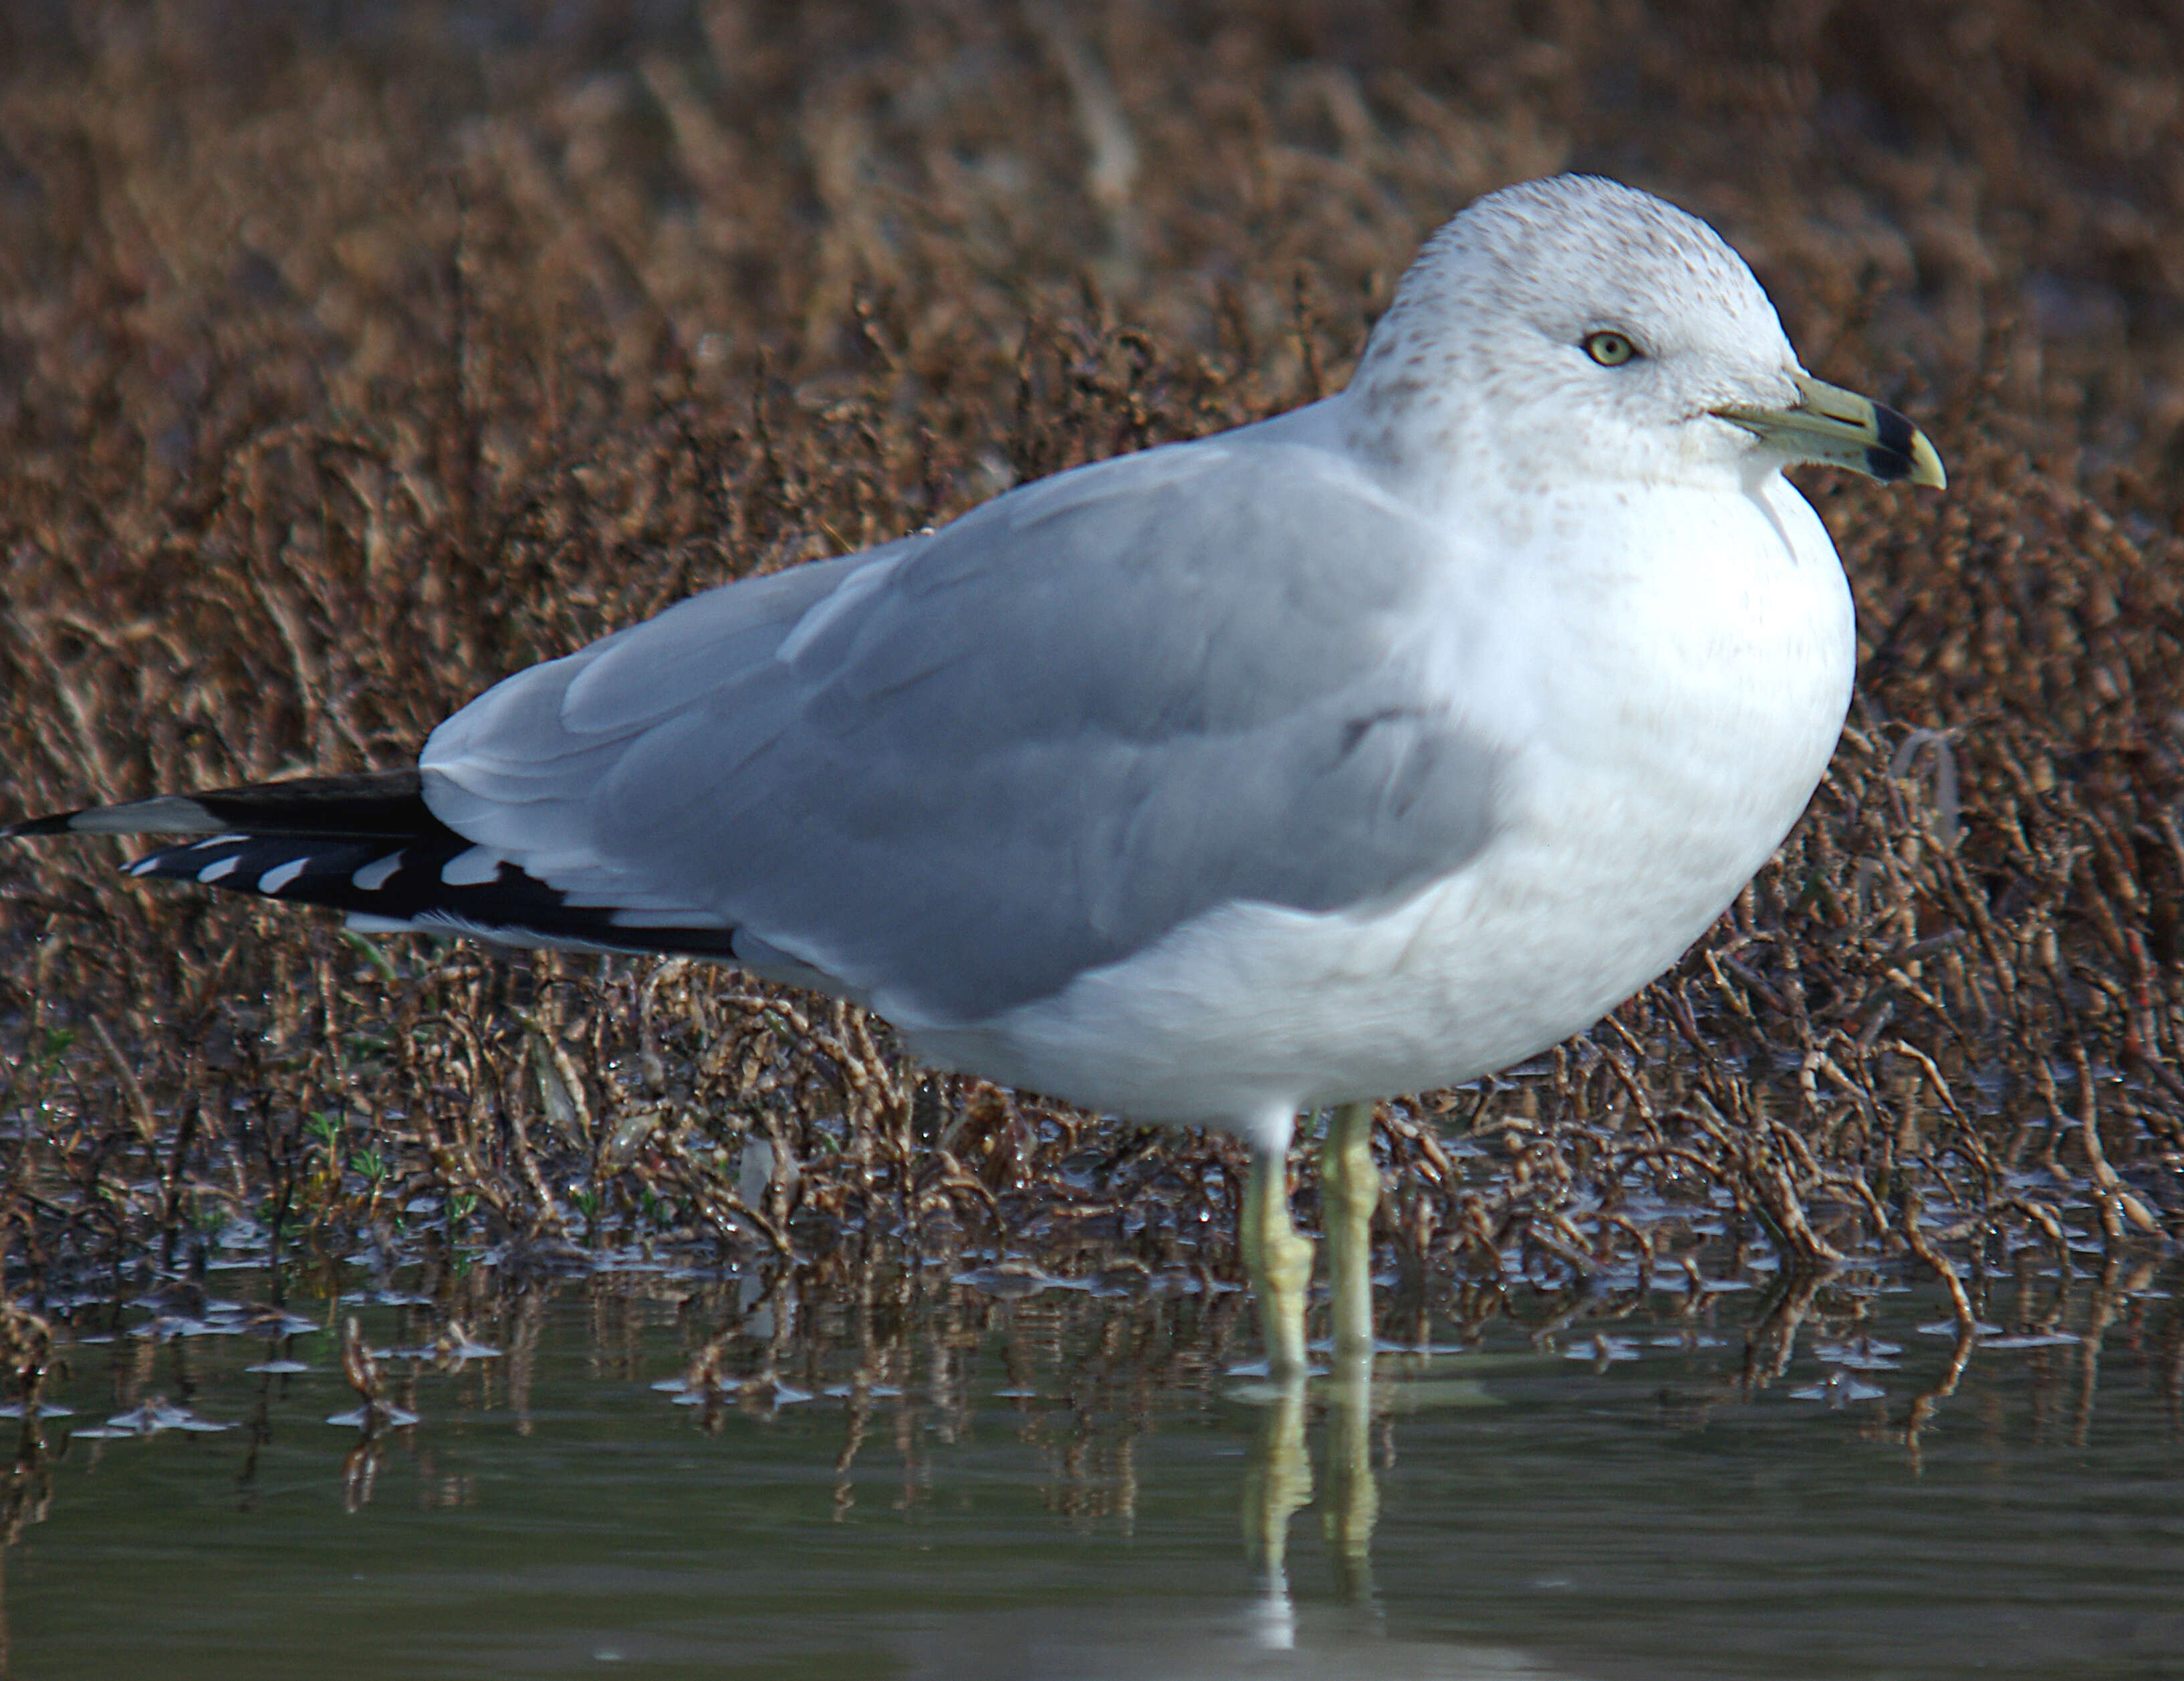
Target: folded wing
949,775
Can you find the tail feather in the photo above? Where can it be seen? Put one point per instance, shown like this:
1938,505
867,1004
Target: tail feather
369,847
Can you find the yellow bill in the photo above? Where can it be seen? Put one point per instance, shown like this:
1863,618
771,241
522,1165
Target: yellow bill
1829,424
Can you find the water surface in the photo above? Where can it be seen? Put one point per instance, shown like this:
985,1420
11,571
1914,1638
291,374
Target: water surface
925,1478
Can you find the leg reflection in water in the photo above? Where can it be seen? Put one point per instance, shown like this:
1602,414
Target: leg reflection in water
1280,1482
1353,1496
1278,1485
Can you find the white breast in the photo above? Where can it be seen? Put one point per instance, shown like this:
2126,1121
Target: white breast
1669,710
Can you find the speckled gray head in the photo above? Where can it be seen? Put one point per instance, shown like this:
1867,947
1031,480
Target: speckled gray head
1576,326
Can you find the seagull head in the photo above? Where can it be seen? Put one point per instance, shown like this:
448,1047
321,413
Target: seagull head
1577,329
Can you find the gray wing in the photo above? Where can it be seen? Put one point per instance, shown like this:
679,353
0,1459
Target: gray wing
952,773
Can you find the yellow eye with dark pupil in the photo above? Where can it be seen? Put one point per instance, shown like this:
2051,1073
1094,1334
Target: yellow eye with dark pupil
1610,349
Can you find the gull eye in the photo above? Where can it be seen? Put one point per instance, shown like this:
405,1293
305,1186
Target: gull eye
1610,349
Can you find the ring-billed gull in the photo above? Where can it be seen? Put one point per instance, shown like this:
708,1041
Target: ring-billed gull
1361,751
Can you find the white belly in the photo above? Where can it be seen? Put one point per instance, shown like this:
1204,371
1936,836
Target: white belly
1669,730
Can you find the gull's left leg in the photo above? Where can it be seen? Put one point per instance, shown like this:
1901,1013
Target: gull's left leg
1278,1259
1349,1191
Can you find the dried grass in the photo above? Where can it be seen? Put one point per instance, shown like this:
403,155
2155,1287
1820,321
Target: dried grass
341,373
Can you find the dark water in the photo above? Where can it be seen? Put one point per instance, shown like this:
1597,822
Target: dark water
1059,1485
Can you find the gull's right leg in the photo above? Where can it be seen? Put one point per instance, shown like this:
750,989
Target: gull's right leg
1349,1191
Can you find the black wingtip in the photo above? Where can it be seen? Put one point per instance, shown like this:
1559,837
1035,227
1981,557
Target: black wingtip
58,824
387,804
386,886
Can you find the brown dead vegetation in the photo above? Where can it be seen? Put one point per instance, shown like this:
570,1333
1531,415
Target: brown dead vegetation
341,373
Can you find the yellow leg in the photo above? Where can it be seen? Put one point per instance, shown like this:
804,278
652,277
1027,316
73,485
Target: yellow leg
1349,1191
1279,1259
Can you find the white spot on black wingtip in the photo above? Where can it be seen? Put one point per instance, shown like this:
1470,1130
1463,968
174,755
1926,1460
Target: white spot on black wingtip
438,883
374,875
281,875
472,868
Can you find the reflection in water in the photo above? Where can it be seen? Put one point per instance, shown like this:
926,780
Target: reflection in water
1276,1486
1165,1641
1279,1484
1353,1496
933,1471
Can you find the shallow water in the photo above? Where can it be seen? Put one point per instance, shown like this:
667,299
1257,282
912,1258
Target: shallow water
1062,1485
